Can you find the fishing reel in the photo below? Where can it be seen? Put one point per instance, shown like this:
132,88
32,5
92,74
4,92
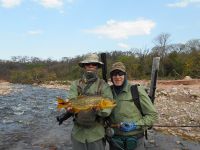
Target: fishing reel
110,132
63,117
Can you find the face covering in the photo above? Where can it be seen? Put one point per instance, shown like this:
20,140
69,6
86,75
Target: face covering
90,76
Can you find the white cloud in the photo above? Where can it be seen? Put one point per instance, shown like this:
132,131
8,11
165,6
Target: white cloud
122,30
51,3
35,32
44,3
123,45
10,3
70,1
184,3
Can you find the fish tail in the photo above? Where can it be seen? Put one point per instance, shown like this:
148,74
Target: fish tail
60,100
62,103
59,107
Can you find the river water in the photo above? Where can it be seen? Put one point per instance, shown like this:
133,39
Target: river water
27,119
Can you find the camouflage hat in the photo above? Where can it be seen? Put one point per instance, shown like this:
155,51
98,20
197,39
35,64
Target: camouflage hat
118,66
91,58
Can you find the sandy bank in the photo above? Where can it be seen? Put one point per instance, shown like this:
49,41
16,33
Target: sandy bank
5,87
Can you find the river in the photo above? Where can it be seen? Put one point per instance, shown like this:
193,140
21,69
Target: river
28,121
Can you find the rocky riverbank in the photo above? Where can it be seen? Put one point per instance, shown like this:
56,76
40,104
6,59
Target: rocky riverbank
179,105
5,88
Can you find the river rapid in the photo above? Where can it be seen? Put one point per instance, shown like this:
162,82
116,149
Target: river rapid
28,119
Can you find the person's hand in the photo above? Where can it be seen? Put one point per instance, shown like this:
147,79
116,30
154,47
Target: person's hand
69,109
96,109
64,117
67,100
127,126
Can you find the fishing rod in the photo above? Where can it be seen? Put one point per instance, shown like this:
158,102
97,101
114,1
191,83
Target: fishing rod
177,126
163,126
104,67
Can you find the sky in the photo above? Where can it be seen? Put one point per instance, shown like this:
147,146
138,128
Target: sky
68,28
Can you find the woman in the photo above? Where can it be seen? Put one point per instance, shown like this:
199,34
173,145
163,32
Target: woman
126,119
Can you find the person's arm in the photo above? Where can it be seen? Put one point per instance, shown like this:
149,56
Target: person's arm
106,92
73,93
150,114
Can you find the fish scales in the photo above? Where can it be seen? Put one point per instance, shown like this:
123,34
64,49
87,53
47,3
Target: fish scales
86,102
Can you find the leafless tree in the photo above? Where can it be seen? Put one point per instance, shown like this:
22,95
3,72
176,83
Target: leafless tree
161,44
193,44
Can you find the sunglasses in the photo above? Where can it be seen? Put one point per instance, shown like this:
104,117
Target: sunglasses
119,73
92,64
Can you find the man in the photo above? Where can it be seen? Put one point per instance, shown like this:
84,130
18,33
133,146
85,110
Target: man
88,131
127,121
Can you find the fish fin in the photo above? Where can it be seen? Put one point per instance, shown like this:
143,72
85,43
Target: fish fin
60,100
59,107
61,103
106,104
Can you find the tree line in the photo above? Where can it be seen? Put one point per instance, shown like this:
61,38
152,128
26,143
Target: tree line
176,61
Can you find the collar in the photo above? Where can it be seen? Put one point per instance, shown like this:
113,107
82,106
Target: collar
125,87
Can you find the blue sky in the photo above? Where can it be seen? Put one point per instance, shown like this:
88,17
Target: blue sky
67,28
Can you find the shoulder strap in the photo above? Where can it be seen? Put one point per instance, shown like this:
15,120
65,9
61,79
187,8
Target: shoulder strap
81,88
136,98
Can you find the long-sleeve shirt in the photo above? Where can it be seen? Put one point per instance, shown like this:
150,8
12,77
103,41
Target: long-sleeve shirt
97,131
126,110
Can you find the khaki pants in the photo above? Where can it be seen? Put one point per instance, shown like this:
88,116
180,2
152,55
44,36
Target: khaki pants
97,145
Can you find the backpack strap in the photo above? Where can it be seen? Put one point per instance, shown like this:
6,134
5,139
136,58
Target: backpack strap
136,98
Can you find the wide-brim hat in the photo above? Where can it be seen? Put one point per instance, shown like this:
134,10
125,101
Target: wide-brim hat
118,66
91,58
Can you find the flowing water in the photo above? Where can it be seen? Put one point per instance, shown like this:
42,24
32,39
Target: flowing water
27,119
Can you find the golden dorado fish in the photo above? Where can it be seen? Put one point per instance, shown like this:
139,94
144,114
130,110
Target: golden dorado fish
86,103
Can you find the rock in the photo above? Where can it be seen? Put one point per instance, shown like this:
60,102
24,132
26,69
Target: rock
187,78
178,142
